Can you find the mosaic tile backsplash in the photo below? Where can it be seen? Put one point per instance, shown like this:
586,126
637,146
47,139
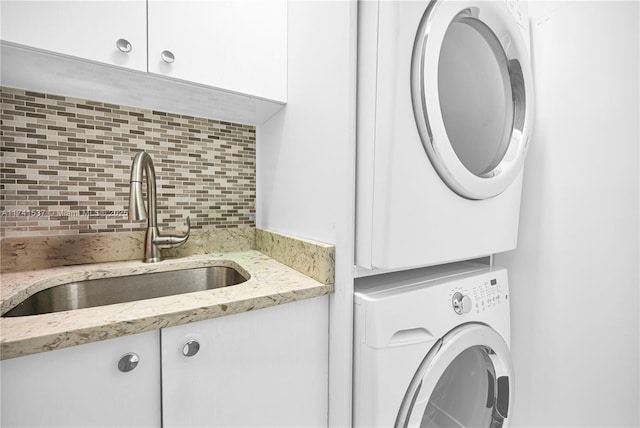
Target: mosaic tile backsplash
66,163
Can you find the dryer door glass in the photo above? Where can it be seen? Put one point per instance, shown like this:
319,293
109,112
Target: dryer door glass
466,380
471,90
475,95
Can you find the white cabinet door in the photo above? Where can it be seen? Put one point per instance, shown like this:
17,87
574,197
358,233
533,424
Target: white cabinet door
82,386
261,368
84,29
235,45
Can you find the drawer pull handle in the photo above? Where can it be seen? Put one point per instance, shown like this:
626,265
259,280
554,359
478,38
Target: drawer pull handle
123,45
128,362
168,57
190,348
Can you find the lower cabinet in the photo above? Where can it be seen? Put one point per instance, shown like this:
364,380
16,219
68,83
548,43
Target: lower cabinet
264,368
267,367
83,386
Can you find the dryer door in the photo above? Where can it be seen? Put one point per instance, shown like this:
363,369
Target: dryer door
466,380
472,94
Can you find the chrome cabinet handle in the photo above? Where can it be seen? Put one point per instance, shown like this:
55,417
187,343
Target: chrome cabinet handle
190,348
123,45
128,362
168,57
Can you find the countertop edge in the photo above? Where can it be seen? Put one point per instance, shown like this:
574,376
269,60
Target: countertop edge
272,283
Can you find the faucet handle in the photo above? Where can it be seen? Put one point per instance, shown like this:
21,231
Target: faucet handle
168,241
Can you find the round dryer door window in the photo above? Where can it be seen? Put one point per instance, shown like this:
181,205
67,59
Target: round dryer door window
471,89
465,380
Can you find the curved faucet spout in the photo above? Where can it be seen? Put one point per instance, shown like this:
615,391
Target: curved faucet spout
143,165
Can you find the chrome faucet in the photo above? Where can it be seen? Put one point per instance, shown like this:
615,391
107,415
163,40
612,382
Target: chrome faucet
153,241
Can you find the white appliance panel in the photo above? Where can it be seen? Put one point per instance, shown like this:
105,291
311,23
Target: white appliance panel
408,214
402,318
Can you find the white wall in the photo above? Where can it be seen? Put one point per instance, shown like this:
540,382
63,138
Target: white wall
306,163
574,277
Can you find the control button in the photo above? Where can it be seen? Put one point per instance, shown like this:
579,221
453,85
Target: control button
461,304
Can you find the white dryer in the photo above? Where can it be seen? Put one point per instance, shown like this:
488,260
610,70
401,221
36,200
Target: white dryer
445,105
431,348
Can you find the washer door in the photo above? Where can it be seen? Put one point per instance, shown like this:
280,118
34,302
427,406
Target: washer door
466,380
472,94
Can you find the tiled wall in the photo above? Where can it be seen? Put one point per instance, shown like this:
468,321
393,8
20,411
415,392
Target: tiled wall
66,162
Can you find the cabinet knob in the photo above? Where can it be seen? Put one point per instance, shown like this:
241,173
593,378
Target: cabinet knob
123,45
190,348
128,362
168,57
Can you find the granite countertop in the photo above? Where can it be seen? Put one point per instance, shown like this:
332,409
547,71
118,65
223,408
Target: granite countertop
271,283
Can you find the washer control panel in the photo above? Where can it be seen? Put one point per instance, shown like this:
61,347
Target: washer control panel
482,296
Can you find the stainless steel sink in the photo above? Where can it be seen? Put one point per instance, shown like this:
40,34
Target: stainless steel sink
107,291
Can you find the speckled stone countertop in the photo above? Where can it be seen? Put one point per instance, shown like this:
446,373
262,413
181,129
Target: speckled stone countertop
271,283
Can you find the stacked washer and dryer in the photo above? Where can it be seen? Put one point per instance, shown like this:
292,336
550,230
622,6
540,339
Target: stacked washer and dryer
445,106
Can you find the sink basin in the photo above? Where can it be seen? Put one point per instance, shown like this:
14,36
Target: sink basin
107,291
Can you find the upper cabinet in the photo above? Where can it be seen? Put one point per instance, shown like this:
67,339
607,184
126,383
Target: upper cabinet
237,46
111,32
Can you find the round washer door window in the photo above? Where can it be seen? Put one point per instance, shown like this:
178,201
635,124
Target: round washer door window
466,380
471,90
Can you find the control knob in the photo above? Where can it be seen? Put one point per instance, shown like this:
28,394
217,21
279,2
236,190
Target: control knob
461,303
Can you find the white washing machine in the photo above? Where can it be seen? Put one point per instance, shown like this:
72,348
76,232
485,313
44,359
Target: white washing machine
445,105
431,348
